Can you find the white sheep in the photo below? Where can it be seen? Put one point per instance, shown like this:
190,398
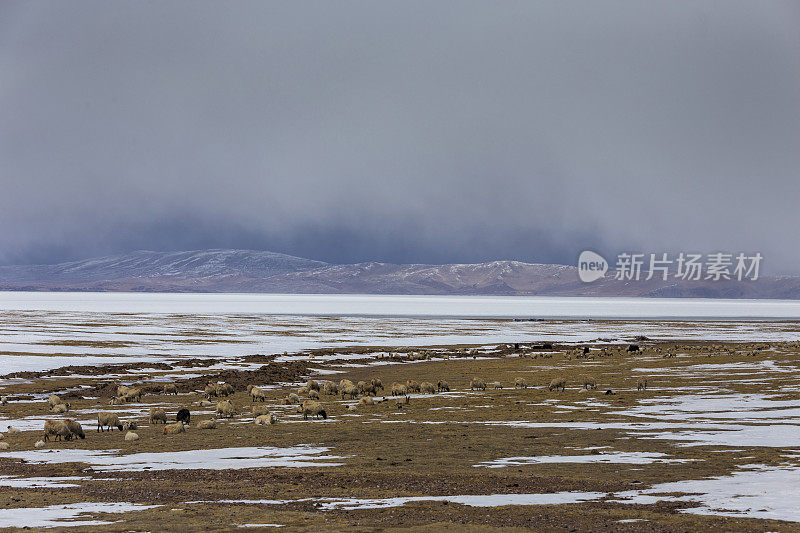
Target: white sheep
257,394
399,389
207,424
266,420
172,429
427,387
53,400
56,428
108,420
225,409
477,383
310,407
60,408
131,436
158,415
75,428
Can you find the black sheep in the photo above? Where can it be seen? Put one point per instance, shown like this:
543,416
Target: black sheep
183,416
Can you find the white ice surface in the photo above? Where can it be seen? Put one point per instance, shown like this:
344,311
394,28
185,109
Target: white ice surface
756,491
637,458
213,459
71,515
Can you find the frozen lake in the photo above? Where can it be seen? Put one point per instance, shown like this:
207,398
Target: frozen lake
402,306
41,331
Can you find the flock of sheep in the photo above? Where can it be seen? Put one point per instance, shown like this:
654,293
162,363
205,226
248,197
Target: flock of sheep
306,397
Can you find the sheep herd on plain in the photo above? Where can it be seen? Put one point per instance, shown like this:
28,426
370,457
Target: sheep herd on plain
307,398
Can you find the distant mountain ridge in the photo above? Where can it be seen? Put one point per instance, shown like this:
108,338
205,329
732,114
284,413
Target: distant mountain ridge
257,271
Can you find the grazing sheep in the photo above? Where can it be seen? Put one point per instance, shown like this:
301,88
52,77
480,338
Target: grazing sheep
266,420
207,424
520,383
365,387
314,395
496,385
398,389
302,391
131,436
183,416
129,425
60,408
4,446
346,382
172,429
312,385
56,428
54,400
225,389
225,409
477,383
122,390
292,399
377,384
39,444
170,388
349,390
158,415
11,430
257,394
442,386
133,395
641,384
75,428
310,407
211,390
427,387
557,383
412,385
259,410
329,387
108,420
589,383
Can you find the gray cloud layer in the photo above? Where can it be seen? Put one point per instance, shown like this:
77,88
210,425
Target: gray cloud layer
400,131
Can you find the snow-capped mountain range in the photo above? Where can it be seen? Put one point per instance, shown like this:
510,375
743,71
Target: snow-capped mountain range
258,271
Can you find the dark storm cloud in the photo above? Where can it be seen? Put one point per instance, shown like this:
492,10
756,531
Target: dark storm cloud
400,131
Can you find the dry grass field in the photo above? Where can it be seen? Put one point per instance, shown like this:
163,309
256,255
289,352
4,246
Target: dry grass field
711,443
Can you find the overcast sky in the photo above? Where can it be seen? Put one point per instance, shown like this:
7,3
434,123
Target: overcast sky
400,131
